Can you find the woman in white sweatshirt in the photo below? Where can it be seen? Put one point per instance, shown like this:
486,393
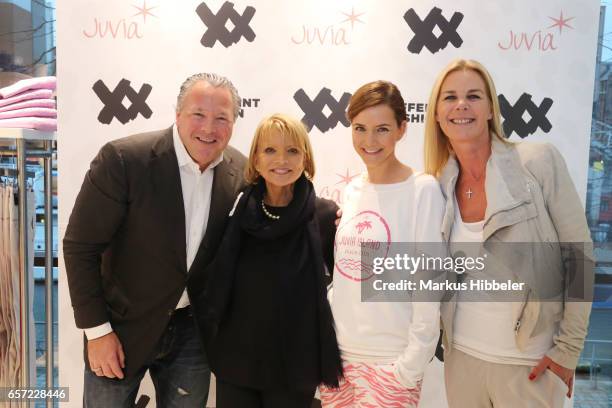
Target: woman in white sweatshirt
385,345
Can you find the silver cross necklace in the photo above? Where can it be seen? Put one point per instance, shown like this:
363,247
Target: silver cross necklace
469,193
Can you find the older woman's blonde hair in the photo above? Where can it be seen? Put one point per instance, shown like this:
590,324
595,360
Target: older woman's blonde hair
289,127
437,146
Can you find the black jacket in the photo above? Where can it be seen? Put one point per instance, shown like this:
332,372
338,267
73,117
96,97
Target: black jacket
124,246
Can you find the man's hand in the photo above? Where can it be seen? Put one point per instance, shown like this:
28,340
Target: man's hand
565,374
106,357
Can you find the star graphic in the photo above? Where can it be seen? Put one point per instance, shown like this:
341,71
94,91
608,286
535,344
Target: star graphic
561,22
346,178
353,17
144,11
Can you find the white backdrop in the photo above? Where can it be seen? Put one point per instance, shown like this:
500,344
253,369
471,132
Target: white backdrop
540,51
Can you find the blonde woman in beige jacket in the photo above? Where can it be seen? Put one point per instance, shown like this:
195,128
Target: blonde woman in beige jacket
517,203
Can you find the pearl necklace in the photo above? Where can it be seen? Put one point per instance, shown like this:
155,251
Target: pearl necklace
268,214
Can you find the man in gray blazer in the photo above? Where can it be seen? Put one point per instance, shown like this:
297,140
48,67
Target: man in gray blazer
148,218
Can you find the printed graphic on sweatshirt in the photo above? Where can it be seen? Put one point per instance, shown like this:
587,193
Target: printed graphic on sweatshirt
358,242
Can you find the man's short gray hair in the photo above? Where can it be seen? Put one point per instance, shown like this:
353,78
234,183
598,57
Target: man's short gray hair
215,80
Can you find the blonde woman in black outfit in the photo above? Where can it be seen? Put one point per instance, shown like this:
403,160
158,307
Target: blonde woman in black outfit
265,316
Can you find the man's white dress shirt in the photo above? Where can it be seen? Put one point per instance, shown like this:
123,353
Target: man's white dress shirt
197,188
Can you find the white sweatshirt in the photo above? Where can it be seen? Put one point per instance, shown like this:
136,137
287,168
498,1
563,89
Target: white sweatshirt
402,333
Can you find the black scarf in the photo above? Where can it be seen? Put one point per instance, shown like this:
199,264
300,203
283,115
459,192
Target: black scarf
301,255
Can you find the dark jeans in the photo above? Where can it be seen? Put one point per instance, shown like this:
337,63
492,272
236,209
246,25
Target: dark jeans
235,396
179,370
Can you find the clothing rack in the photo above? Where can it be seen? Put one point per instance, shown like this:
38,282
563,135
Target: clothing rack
13,172
23,139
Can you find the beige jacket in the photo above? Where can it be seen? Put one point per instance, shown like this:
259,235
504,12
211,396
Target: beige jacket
531,199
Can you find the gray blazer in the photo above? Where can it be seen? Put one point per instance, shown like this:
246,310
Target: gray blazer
531,199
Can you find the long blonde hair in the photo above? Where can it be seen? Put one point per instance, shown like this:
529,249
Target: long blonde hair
437,146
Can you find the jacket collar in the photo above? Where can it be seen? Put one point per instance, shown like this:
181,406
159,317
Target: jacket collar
164,144
505,186
222,197
166,176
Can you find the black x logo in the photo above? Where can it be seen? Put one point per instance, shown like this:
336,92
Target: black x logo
313,109
216,25
113,101
423,31
513,115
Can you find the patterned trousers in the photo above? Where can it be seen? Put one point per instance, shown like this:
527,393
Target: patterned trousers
369,386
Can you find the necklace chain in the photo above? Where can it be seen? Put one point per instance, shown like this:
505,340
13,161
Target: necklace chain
476,180
469,192
268,213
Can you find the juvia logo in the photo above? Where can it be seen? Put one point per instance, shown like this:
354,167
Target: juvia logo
424,35
113,101
314,109
217,25
513,115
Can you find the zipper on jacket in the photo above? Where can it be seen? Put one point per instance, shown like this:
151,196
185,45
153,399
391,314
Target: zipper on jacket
510,207
517,325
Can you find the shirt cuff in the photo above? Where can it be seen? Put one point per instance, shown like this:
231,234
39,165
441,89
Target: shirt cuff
98,331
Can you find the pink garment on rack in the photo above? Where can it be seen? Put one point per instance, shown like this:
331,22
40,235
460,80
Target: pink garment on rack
32,103
48,82
29,113
45,124
27,95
